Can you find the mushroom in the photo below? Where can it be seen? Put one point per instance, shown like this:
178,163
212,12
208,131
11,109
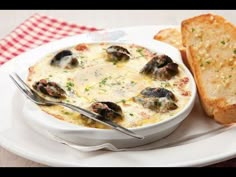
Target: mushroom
160,67
157,99
108,110
64,59
117,53
51,89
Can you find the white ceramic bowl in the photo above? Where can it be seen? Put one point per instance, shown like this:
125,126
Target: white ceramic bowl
44,123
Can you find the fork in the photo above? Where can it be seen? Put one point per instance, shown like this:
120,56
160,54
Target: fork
37,99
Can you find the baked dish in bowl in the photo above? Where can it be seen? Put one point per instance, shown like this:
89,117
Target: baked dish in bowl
133,84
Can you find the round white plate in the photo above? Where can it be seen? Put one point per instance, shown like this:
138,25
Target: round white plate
212,145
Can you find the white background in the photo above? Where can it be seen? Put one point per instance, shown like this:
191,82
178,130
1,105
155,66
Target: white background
9,19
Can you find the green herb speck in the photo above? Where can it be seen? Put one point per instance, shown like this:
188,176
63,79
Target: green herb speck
66,113
131,114
193,29
140,51
222,42
103,81
70,84
114,62
235,51
132,82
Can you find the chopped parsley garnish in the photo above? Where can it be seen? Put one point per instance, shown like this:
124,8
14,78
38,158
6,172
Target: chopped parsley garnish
103,81
132,82
235,51
65,112
123,101
140,51
69,85
165,84
86,89
208,62
193,29
131,114
115,62
222,42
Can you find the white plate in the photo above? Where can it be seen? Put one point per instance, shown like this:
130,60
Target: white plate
210,144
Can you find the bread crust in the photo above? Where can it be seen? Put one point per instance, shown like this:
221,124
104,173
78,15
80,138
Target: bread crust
212,29
173,37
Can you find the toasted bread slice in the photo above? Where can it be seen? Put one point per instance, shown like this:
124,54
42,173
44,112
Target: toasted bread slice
173,37
210,43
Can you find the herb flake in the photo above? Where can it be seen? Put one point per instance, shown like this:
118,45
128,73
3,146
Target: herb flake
222,42
69,85
103,81
140,51
123,101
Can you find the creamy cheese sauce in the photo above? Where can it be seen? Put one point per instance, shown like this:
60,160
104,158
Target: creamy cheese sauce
97,79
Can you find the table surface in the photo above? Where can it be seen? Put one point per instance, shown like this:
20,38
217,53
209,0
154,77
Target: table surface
100,19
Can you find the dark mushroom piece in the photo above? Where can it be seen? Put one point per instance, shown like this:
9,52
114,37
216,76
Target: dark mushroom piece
157,99
117,53
108,110
158,92
160,67
51,89
64,59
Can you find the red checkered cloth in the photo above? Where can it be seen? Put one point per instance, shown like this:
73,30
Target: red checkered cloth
35,31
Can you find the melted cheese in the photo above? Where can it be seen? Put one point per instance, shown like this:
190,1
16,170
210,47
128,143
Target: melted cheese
96,79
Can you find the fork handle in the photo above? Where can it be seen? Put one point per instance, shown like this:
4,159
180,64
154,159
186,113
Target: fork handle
101,119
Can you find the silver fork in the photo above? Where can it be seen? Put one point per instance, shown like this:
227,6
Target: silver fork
36,98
